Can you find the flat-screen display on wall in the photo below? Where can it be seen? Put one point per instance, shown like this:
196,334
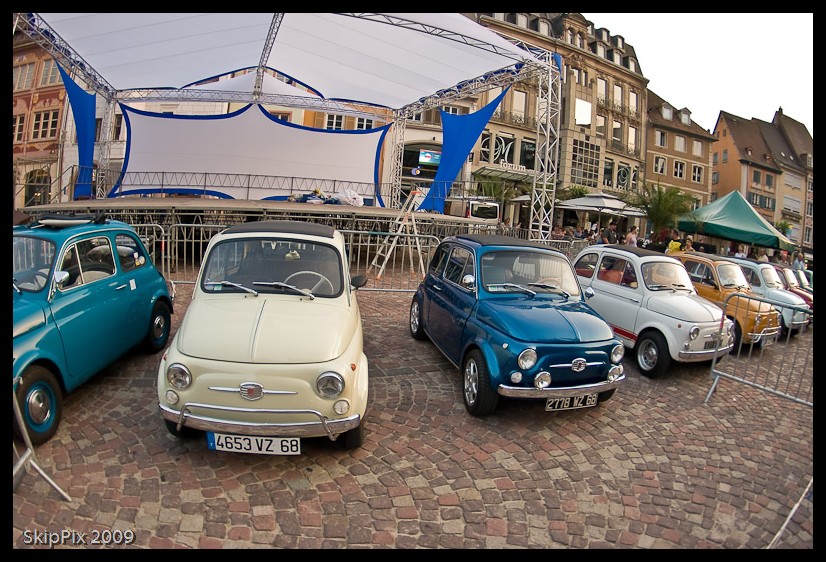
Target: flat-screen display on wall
429,157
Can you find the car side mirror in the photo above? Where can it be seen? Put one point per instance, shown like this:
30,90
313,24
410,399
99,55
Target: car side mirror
358,281
469,281
588,292
60,277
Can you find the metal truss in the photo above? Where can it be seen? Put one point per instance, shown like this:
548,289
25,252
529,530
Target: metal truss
541,71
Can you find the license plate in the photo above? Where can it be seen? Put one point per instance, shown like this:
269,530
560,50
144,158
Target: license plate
571,402
255,445
769,340
711,344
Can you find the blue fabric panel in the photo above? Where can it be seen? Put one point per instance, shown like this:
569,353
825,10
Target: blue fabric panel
83,108
460,133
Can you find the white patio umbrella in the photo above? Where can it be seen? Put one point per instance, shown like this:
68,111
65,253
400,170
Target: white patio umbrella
601,203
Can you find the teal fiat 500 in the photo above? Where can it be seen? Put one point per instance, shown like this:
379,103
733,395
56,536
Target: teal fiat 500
85,292
511,315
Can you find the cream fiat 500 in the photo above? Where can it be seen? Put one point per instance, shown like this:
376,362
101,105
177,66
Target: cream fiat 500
270,349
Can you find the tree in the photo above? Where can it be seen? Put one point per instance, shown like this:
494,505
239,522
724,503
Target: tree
662,205
784,227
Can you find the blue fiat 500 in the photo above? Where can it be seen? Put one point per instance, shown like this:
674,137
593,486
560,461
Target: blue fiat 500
511,316
85,292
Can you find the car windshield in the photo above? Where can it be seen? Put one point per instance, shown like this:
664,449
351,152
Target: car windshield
731,276
663,275
791,279
272,265
804,281
32,260
771,278
528,271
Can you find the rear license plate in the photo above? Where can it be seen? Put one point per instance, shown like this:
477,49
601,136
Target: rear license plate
255,445
769,340
571,402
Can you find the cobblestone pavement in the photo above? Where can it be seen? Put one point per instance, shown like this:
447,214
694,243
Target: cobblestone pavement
654,467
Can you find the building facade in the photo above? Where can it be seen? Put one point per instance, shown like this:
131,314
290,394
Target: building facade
38,119
758,159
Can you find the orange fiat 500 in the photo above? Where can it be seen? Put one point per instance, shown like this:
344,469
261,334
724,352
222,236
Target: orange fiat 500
715,278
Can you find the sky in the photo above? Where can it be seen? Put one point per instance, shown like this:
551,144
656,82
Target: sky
745,64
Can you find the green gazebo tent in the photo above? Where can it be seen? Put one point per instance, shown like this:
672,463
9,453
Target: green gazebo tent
733,218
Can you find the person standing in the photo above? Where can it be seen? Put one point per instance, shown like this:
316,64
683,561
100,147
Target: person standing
609,233
741,251
689,244
761,255
631,237
798,262
674,245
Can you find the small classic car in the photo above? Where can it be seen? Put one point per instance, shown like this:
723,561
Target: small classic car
511,316
85,293
765,281
652,306
270,349
756,323
791,284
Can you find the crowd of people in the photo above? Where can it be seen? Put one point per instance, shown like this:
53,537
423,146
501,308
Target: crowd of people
673,240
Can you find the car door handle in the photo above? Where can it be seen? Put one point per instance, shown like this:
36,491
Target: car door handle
119,287
437,287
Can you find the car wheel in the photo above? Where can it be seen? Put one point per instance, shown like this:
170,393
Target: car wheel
41,403
354,438
603,396
416,324
738,337
480,398
159,325
184,433
653,358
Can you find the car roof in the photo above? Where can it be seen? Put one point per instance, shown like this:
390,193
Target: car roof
288,227
749,261
639,252
500,240
702,255
61,227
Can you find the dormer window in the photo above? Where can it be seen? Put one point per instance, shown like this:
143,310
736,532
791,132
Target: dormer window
685,119
620,42
667,113
600,50
632,64
617,58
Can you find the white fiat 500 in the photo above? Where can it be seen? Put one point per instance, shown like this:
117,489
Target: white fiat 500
652,306
270,348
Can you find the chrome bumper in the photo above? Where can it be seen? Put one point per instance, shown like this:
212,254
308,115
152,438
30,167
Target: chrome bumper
705,354
559,392
323,427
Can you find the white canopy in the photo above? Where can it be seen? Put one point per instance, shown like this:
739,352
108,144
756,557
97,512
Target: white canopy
389,60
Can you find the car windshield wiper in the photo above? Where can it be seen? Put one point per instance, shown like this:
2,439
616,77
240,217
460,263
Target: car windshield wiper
305,292
231,284
513,286
679,286
657,286
14,283
550,287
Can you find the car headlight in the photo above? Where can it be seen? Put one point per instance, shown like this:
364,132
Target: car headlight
617,353
329,384
527,359
693,333
179,376
730,328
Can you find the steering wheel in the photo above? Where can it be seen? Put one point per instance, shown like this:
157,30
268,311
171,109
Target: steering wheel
321,280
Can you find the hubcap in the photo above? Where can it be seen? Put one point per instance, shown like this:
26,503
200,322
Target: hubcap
414,317
648,355
158,326
39,406
471,382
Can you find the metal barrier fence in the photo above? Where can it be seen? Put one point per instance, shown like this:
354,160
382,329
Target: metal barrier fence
780,363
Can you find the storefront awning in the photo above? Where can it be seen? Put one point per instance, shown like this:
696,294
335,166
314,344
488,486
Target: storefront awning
499,173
